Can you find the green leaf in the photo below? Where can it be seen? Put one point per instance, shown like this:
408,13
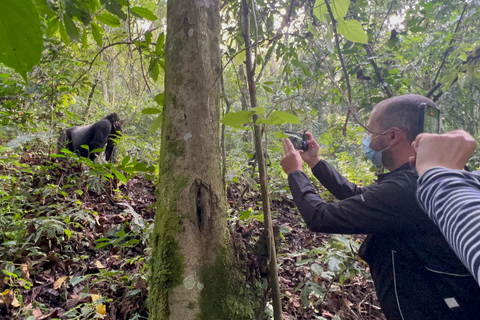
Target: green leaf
109,20
339,9
97,34
412,22
144,13
20,35
259,110
417,29
71,28
119,175
156,124
154,69
280,117
160,42
237,119
151,111
52,27
68,233
267,88
63,33
148,37
352,30
84,38
159,98
239,58
76,280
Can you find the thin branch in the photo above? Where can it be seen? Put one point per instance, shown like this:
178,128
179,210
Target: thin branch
385,18
450,44
96,56
370,56
344,68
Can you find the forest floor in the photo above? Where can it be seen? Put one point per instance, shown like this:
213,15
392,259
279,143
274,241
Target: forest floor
320,275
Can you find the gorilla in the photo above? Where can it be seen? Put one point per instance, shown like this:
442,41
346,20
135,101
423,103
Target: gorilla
95,135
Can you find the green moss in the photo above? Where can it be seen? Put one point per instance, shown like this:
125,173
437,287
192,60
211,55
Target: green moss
226,294
167,262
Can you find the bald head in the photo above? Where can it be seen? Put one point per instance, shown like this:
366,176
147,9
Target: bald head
401,112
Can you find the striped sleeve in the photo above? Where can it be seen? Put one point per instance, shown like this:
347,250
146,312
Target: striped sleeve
452,200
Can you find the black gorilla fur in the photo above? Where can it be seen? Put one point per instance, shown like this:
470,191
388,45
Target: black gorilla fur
95,135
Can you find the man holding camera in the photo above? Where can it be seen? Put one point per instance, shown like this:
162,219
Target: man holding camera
416,274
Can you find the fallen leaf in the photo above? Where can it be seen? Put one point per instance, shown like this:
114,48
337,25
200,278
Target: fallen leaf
102,309
99,265
25,273
15,302
5,292
37,313
57,284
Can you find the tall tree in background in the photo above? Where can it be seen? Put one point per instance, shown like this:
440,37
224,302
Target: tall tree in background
193,272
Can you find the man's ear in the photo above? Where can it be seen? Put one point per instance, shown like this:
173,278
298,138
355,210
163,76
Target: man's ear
395,135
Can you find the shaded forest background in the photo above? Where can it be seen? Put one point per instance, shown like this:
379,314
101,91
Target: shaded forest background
74,235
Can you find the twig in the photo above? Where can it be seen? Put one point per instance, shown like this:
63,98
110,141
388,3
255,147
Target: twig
370,56
96,56
385,18
451,41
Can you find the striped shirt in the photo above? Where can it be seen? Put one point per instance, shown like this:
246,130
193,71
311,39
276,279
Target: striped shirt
452,200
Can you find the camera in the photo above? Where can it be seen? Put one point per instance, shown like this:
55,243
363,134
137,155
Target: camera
299,140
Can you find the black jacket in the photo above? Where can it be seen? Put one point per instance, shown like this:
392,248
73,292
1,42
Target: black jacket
414,270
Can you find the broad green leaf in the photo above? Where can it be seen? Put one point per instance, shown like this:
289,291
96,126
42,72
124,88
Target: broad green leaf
259,110
115,7
239,58
63,33
151,111
126,160
71,28
109,20
159,45
84,38
412,22
144,13
352,30
267,88
237,119
92,5
154,69
417,29
156,124
52,27
449,78
159,98
280,117
97,34
148,37
68,233
76,280
339,9
20,35
120,176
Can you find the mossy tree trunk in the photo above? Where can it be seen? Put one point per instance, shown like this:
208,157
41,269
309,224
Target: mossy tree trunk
194,274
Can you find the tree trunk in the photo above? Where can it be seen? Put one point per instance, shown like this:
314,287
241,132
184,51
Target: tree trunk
194,272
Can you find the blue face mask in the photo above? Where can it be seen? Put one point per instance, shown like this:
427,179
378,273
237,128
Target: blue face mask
374,156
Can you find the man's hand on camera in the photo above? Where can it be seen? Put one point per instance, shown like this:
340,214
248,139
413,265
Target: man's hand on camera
449,150
311,156
292,160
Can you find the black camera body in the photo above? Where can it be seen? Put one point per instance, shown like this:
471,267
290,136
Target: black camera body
299,140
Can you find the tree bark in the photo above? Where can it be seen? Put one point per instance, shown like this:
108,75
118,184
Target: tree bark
194,273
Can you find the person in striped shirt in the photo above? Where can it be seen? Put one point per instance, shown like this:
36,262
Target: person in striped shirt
449,195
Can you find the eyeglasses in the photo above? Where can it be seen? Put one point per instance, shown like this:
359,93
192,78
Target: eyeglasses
429,120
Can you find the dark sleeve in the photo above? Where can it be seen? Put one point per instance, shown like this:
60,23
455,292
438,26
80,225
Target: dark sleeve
382,207
337,184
